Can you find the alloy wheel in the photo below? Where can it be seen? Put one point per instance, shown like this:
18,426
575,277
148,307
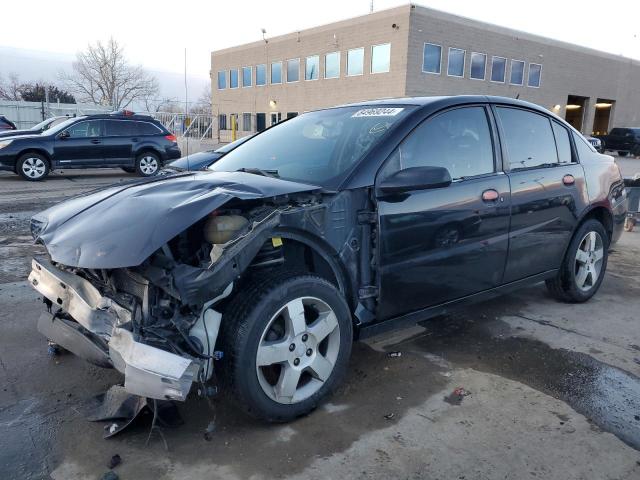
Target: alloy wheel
148,165
34,167
298,350
588,261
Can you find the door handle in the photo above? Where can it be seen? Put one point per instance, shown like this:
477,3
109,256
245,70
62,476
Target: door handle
95,141
568,180
490,195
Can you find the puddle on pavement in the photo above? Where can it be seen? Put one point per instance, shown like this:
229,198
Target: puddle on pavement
376,386
607,396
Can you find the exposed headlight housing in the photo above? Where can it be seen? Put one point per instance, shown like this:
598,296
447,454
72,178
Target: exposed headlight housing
5,143
37,226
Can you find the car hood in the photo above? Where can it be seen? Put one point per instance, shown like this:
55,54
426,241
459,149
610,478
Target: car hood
122,225
15,133
21,136
195,161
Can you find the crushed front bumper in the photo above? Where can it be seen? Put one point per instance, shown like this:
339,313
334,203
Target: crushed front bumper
100,338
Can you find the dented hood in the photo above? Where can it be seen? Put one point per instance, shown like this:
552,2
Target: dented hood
120,226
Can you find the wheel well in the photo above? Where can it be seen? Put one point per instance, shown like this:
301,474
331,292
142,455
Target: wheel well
39,152
602,215
302,257
148,150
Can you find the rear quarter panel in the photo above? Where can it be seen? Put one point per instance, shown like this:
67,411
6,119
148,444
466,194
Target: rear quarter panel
605,188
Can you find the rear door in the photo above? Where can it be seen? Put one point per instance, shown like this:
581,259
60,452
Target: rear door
120,135
82,147
548,190
442,244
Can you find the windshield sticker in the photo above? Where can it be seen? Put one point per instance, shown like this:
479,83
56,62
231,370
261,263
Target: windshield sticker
377,112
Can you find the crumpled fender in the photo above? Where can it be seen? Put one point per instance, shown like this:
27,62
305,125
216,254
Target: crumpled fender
121,226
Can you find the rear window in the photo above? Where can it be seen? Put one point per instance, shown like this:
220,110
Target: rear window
563,143
147,128
120,128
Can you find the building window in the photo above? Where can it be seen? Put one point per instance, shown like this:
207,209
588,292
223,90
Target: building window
355,61
478,66
455,66
312,65
222,80
276,72
535,72
293,70
517,72
498,69
332,65
222,121
247,76
431,58
381,58
246,122
292,114
261,75
233,78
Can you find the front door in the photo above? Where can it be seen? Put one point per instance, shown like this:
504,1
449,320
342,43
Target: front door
442,244
81,145
261,122
548,190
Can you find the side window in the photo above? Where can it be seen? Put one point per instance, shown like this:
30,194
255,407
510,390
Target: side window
584,148
562,142
146,128
616,131
85,129
528,138
119,128
459,140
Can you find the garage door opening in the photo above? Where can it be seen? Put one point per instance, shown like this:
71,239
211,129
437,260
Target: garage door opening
575,109
602,116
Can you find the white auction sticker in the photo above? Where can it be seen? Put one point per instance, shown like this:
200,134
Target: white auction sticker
377,112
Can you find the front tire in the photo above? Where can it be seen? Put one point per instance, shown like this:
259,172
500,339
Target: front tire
32,167
287,340
147,164
584,265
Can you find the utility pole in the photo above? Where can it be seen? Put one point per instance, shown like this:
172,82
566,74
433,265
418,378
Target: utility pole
371,7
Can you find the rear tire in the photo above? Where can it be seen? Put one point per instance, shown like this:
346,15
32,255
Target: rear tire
584,265
32,166
147,164
287,341
623,153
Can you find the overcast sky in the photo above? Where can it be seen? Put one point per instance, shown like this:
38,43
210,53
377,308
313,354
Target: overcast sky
155,33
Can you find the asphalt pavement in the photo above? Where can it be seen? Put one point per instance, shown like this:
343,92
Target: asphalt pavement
517,387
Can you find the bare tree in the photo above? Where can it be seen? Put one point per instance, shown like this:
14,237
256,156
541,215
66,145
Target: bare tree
203,104
10,90
102,75
164,104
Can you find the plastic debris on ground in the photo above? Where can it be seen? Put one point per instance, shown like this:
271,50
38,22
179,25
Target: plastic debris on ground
456,397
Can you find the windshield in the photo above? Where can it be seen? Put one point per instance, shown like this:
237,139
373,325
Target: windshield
319,148
61,126
41,125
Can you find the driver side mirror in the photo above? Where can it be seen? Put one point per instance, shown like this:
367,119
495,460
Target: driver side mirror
416,178
64,134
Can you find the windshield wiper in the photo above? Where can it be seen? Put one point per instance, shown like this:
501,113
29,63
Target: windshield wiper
259,171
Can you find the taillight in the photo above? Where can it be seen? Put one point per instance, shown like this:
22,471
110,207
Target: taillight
171,137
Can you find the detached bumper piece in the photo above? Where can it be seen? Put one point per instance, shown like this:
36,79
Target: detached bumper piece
98,337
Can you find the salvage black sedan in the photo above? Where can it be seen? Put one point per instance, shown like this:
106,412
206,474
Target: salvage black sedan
333,226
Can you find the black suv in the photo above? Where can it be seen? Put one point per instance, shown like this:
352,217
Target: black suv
136,143
331,226
624,140
6,125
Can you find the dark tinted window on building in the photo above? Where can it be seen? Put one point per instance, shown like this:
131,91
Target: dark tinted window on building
517,72
431,58
261,74
458,140
233,78
528,138
478,66
455,66
293,70
222,121
247,77
535,73
498,69
222,80
276,72
563,143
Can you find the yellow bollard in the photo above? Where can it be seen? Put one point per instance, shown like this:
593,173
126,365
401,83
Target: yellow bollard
233,128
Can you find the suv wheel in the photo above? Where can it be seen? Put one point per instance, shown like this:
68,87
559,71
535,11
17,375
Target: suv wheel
287,341
584,265
623,153
32,166
147,164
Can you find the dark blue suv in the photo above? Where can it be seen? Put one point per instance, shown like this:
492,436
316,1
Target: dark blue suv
135,143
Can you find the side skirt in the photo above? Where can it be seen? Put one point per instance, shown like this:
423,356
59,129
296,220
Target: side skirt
410,319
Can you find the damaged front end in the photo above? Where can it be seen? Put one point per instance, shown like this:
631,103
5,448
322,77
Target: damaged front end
155,319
